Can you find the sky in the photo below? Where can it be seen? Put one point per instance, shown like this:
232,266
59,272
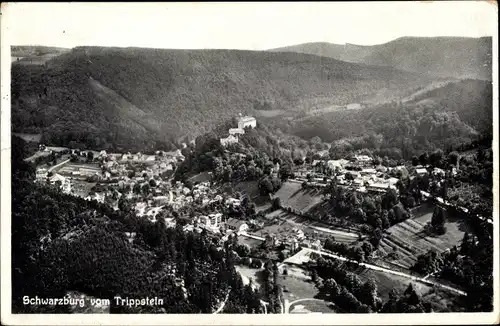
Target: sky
250,26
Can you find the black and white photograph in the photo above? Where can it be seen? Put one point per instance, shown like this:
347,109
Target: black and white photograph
249,163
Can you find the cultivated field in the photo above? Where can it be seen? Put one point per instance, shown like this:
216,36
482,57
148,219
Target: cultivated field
409,239
85,169
292,195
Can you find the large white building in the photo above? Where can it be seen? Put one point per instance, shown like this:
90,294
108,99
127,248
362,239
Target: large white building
247,121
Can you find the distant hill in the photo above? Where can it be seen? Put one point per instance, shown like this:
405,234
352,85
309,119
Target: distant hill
458,57
139,98
34,54
24,50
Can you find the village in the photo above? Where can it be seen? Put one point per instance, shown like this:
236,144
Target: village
145,181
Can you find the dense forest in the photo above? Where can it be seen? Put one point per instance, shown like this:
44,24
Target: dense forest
62,243
105,97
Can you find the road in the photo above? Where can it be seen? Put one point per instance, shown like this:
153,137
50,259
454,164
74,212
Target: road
223,303
447,203
307,251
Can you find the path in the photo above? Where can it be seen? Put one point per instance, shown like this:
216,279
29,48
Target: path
245,234
289,304
223,303
304,251
447,203
58,165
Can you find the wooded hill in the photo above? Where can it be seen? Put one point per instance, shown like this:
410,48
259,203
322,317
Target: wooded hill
134,98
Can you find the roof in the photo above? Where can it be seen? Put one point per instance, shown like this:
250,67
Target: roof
57,177
422,170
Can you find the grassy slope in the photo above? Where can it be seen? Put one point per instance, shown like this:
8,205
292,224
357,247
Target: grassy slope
184,91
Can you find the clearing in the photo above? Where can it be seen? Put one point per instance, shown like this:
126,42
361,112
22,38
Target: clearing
299,200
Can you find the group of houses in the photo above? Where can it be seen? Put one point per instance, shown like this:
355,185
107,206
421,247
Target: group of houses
358,173
234,133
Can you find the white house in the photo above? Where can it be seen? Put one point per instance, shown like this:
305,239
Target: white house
247,121
41,174
231,139
421,171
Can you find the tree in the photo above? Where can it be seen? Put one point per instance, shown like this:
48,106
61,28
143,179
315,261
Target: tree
414,160
438,220
265,186
90,156
331,288
453,158
436,158
424,158
276,203
152,183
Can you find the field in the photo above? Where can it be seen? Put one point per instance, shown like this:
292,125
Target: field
251,190
292,195
28,137
297,285
248,274
85,169
285,222
411,240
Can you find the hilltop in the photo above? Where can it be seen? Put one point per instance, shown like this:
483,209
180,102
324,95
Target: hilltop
458,57
138,98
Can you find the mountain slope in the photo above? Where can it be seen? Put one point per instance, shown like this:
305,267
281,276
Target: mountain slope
458,57
172,93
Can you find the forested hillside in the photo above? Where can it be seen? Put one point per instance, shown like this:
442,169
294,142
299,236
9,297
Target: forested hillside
459,57
178,92
441,118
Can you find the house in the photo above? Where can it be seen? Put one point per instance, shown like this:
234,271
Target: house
236,131
233,202
41,174
421,171
438,172
65,183
379,187
215,219
247,121
363,159
231,139
368,171
236,225
334,164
